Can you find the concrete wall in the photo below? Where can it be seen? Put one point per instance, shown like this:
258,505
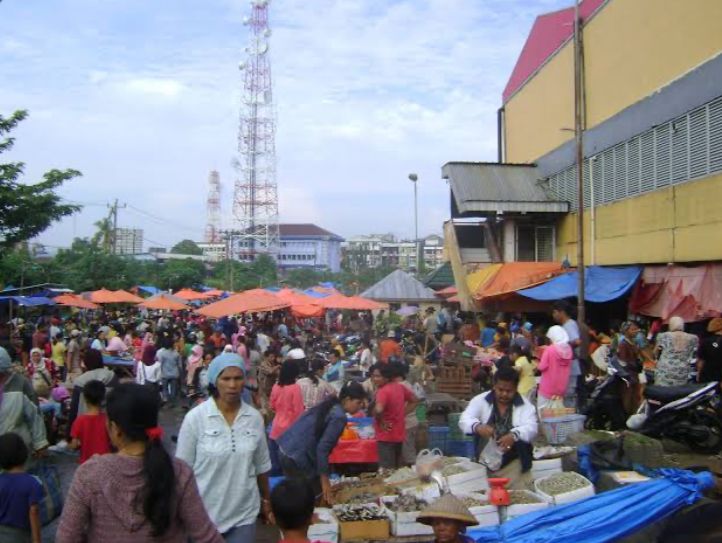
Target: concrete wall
681,223
633,48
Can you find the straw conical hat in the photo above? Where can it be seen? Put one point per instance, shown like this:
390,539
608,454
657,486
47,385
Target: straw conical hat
447,507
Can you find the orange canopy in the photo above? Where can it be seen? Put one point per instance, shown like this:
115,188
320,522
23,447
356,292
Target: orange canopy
213,293
514,276
307,311
105,296
71,300
188,295
126,297
250,301
356,303
295,298
164,302
447,292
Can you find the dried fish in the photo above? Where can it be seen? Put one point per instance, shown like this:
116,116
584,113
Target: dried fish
400,475
355,513
471,502
365,497
454,469
521,497
407,504
562,483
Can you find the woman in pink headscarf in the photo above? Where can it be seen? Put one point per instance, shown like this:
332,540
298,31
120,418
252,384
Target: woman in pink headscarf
194,362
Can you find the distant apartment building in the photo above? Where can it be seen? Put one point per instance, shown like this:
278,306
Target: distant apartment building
213,252
376,251
309,246
128,241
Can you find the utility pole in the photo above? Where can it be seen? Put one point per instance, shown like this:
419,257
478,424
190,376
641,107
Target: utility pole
415,179
114,234
579,140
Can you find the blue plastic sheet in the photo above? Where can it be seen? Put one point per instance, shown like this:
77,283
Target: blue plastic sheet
605,517
28,301
601,284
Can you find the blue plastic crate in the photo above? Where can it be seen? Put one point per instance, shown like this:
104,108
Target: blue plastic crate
438,437
465,449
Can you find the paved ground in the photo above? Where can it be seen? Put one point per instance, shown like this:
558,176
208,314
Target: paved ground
170,421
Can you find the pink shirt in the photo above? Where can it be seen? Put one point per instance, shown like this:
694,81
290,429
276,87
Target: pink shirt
555,367
287,402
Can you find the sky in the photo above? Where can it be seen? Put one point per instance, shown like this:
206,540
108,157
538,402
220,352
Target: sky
143,97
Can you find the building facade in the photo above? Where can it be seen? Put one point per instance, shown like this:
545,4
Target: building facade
652,75
385,251
309,246
128,241
213,252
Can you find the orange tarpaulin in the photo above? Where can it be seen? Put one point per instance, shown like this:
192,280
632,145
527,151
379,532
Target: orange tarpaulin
295,298
307,311
447,292
250,301
105,296
213,293
164,302
514,276
126,297
356,303
188,295
71,300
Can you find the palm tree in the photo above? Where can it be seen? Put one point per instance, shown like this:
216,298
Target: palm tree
104,235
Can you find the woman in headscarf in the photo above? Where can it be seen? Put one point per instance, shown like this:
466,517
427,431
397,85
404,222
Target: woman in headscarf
194,362
630,357
449,518
42,373
676,349
224,442
555,368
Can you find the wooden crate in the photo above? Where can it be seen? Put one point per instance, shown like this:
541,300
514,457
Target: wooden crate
455,381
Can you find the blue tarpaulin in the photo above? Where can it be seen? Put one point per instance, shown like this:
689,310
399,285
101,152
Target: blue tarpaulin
149,289
28,301
602,284
605,517
315,294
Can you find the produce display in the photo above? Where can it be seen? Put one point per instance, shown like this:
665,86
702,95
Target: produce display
453,469
520,497
365,497
470,502
562,483
407,504
354,513
401,475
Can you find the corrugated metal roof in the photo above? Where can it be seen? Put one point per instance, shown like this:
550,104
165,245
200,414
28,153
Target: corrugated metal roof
441,277
305,230
490,187
400,286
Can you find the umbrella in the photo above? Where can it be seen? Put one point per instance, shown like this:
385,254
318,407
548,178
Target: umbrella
126,297
606,517
214,293
165,302
250,301
407,311
71,300
188,295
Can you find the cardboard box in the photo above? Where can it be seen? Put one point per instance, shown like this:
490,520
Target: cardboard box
365,529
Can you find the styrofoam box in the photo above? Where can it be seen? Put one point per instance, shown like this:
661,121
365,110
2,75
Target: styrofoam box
567,497
476,485
490,518
427,492
513,511
326,531
548,463
474,472
404,523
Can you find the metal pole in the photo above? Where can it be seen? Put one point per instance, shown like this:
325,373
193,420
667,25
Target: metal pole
579,137
414,179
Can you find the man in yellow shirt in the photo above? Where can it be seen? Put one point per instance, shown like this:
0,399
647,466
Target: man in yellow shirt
525,368
58,356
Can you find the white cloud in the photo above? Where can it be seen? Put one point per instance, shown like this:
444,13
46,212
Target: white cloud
166,88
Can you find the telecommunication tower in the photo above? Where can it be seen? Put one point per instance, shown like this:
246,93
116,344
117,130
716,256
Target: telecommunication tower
255,198
213,208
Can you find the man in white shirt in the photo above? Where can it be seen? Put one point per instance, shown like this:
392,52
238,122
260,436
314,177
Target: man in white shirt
506,417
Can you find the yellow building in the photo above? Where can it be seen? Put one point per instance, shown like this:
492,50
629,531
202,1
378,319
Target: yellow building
652,73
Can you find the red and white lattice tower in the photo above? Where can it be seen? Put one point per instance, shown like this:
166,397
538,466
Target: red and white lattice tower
255,198
213,208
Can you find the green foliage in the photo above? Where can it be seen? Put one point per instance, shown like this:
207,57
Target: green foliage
27,210
177,274
187,247
19,268
232,275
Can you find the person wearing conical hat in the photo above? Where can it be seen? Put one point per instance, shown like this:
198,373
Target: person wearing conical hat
449,518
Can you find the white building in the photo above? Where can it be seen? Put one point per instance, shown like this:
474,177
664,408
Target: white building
213,252
376,251
309,246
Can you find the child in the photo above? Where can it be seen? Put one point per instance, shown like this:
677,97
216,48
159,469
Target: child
292,503
89,431
20,494
525,368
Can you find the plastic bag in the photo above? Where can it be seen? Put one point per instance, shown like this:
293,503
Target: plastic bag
491,456
428,461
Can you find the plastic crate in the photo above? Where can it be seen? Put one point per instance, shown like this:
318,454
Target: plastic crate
558,429
462,448
438,437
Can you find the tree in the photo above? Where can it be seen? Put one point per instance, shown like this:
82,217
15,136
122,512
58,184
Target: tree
27,210
103,237
177,274
187,247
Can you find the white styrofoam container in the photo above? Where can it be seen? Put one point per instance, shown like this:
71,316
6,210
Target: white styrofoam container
476,485
427,492
326,531
474,472
513,511
547,463
489,518
567,497
404,523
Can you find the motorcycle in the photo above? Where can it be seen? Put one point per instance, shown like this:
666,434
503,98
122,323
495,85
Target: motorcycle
605,410
687,414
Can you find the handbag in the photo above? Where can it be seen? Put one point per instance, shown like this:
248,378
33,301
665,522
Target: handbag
52,503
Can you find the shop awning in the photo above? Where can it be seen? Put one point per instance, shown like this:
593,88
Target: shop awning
602,284
514,276
693,293
475,281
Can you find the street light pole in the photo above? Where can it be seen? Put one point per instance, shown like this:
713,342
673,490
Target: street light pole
414,179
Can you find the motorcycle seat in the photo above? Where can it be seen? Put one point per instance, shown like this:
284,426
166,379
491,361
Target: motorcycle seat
669,394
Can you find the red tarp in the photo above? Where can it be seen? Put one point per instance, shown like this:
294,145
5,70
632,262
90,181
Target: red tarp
693,293
447,292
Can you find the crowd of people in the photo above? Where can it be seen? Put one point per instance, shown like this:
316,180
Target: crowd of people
268,395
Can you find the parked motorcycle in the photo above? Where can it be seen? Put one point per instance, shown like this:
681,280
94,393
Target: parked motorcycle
687,414
604,409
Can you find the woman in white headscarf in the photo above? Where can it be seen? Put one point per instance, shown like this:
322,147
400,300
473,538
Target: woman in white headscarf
675,350
555,367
